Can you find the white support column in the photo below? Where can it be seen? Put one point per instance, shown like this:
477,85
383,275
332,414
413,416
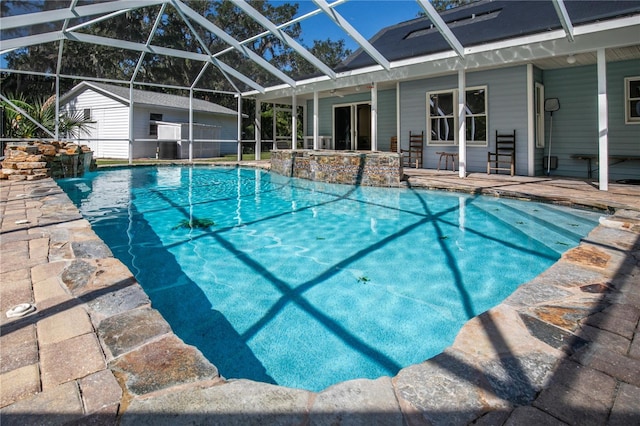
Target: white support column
398,126
190,126
374,117
294,121
130,123
57,121
304,123
316,134
462,125
257,127
603,122
274,127
531,122
239,127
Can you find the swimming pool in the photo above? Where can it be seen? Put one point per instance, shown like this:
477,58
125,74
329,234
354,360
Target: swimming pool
306,284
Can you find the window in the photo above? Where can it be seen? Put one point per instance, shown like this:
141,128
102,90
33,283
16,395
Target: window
86,114
153,127
632,100
442,117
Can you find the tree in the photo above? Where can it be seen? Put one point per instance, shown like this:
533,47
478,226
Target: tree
44,112
330,52
135,25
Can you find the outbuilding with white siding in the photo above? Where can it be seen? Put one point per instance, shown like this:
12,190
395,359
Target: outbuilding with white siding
160,124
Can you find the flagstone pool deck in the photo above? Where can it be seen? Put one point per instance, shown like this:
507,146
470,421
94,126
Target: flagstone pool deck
563,349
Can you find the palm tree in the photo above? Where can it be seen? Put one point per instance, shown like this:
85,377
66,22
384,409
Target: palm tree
43,112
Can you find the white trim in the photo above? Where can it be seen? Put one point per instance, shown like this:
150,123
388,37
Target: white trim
531,120
398,117
627,101
540,125
294,121
257,129
316,118
374,117
353,113
613,33
455,115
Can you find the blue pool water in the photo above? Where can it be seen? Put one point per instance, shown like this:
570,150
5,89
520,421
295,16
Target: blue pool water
307,284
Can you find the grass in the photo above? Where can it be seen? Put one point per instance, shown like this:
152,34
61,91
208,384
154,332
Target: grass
230,157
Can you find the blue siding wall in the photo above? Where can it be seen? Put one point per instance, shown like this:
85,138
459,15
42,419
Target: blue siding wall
575,125
507,105
386,114
386,118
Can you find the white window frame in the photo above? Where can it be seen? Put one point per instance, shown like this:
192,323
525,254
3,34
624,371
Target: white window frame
353,124
454,115
628,119
153,123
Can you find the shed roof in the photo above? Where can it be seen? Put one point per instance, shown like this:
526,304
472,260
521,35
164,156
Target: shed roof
483,22
145,97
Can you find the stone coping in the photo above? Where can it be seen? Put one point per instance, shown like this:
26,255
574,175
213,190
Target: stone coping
561,349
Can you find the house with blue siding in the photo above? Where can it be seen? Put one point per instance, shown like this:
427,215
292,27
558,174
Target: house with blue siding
565,76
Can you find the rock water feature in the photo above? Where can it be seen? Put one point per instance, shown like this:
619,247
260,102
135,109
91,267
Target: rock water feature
367,168
38,160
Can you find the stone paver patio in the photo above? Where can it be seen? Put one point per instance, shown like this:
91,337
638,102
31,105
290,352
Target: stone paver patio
563,349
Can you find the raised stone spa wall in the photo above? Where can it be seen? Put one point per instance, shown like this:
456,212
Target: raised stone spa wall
38,160
347,167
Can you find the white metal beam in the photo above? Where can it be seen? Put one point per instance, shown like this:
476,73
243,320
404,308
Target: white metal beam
462,124
26,41
148,43
442,27
353,33
157,50
204,47
284,37
603,122
210,26
48,16
564,17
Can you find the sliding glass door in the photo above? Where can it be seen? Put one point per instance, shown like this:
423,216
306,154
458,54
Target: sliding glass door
352,127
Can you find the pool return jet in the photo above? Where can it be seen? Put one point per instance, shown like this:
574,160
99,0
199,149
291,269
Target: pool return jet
551,105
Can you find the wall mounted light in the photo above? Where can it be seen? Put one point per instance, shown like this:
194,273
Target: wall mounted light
571,59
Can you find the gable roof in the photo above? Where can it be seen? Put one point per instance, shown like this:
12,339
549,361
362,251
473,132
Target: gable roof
483,22
145,97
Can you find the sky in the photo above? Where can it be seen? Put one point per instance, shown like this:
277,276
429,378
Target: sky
366,16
